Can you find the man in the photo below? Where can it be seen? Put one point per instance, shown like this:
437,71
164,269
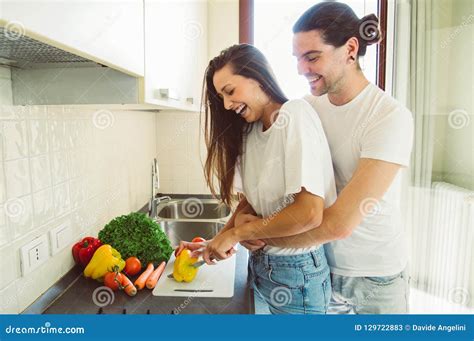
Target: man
370,137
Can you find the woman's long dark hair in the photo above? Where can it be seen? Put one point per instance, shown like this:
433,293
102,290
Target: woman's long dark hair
224,130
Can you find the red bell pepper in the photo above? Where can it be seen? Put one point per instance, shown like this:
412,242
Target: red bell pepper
83,251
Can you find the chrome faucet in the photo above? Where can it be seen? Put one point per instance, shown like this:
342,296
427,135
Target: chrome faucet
154,204
155,186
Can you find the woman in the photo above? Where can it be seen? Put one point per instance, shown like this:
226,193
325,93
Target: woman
281,152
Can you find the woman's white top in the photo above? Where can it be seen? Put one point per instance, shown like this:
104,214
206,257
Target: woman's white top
276,164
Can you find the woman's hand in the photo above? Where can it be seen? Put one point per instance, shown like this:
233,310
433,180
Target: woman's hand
243,218
195,248
220,248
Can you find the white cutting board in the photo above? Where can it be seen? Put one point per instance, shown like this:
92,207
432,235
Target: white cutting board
219,278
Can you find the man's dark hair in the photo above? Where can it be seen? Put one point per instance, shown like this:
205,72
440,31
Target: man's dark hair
337,22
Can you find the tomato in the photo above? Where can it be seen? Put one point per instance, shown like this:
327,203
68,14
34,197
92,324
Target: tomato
132,266
198,240
113,280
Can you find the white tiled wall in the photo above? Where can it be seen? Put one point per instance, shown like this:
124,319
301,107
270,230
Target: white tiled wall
181,153
6,96
82,167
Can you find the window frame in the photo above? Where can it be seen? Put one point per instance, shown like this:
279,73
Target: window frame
246,34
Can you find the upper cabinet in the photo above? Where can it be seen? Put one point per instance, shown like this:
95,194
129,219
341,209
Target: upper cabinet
175,52
155,51
104,31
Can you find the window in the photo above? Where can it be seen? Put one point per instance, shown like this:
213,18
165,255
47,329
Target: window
272,34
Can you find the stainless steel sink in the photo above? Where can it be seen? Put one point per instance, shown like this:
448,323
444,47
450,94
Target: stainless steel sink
177,230
192,209
185,219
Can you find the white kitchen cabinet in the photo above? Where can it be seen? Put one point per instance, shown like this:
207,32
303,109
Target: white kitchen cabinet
156,51
105,31
175,52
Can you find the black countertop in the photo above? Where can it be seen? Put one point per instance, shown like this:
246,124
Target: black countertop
77,298
73,294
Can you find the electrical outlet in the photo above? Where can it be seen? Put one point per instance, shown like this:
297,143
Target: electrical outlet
33,254
60,237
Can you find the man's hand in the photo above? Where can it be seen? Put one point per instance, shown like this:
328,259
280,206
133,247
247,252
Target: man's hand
253,245
242,218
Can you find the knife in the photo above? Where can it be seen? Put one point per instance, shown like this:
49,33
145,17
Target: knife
194,290
198,264
195,265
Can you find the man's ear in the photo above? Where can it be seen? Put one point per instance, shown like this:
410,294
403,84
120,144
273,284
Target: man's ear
352,48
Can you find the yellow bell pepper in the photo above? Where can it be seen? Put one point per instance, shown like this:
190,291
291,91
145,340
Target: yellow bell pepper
105,259
183,270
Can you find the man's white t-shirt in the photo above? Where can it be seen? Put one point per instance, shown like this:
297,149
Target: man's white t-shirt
373,125
276,164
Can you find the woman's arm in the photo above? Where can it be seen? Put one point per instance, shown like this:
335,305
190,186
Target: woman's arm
304,214
242,207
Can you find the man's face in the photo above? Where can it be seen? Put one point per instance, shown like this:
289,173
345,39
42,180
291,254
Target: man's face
323,65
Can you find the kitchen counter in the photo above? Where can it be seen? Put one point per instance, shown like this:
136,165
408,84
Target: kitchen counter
73,294
77,298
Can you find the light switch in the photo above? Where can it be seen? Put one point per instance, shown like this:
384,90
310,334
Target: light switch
60,237
33,254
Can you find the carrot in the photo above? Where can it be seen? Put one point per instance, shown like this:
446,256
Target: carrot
128,286
140,282
155,276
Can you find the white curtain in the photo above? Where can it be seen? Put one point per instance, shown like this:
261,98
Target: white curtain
415,64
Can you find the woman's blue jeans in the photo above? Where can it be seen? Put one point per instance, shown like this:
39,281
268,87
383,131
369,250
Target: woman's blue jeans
296,284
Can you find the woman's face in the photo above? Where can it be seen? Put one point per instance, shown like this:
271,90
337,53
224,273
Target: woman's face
242,95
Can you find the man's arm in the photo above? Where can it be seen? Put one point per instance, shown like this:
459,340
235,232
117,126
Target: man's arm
369,183
242,207
302,215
